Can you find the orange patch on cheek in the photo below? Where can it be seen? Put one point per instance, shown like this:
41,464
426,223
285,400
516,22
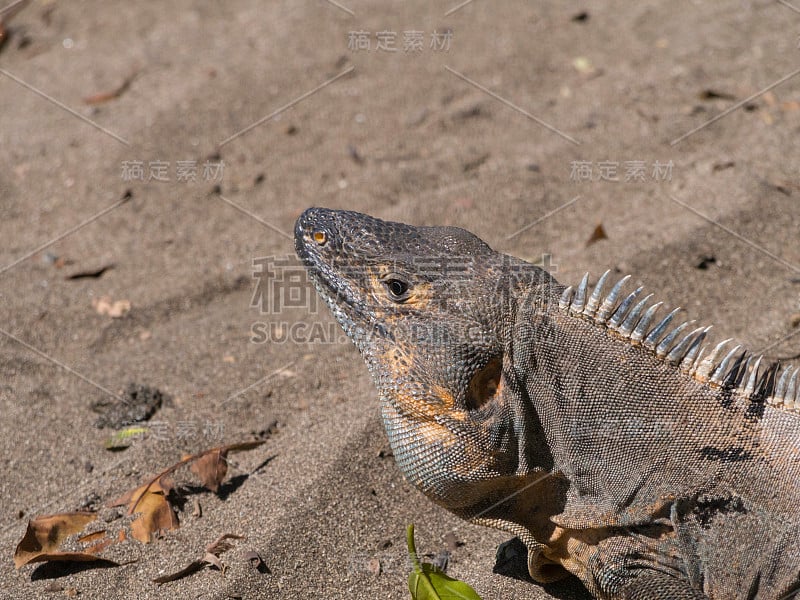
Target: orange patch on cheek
432,400
445,397
433,433
398,363
420,297
398,360
428,409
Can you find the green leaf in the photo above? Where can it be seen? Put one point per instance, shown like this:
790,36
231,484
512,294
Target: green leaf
426,582
124,438
439,586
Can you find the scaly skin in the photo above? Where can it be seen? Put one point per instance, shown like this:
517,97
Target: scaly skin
627,468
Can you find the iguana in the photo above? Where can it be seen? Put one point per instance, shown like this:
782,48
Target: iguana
617,446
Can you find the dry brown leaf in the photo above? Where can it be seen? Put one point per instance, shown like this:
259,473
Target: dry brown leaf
98,547
163,482
213,560
45,534
192,567
122,500
69,557
112,94
151,499
156,514
254,558
240,447
598,234
210,557
92,537
219,545
211,468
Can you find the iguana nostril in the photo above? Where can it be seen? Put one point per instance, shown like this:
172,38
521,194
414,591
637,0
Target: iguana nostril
320,237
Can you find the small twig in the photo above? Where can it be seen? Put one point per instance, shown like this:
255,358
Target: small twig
115,93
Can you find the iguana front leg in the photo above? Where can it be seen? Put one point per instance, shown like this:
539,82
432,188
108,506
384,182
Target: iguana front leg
648,585
653,585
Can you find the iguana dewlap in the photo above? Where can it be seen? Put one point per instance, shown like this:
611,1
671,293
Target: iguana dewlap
618,446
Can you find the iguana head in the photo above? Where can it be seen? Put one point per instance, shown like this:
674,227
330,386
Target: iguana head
431,310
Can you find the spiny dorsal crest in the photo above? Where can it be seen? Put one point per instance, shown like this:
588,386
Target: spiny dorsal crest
632,321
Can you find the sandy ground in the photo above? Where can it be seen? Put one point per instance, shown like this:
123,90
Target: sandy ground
709,223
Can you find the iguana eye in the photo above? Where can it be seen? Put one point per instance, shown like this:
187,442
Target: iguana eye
397,289
320,237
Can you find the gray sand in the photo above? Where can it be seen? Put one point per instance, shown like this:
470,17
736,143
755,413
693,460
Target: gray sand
400,137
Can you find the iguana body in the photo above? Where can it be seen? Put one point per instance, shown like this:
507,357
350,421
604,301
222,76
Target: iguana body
617,446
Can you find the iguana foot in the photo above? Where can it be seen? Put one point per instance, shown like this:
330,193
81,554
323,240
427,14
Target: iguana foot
512,560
